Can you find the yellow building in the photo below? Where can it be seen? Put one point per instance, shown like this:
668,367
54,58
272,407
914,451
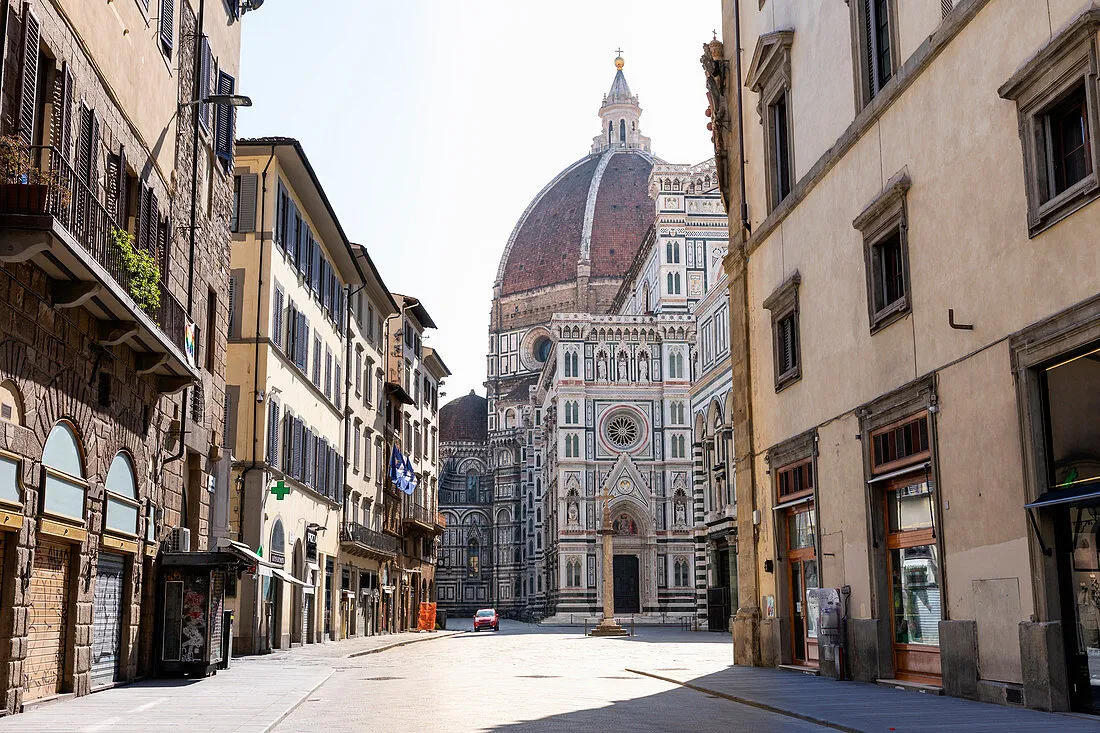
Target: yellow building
915,324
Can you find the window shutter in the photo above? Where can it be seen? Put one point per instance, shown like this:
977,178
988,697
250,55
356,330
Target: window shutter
317,361
206,63
229,333
164,246
277,318
246,215
273,435
167,16
152,221
316,280
84,145
322,465
328,373
296,449
338,389
280,213
29,89
112,186
224,126
307,474
305,344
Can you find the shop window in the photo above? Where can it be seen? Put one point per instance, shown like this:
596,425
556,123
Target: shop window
65,486
121,490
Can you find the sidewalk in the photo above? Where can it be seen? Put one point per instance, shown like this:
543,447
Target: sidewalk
860,707
251,696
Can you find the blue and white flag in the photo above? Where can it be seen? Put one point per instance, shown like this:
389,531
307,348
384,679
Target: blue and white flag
397,470
410,476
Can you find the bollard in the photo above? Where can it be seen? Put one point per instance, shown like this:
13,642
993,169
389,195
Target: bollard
585,623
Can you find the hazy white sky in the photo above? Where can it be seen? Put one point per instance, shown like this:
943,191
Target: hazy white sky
433,123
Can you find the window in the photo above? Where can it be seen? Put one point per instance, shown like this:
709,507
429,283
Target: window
573,573
795,481
165,30
680,572
572,446
65,486
11,403
122,503
224,121
897,444
572,364
874,28
886,254
673,281
783,304
676,365
678,445
1058,121
211,327
769,76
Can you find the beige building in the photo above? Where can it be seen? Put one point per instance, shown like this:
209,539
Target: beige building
915,324
111,367
290,269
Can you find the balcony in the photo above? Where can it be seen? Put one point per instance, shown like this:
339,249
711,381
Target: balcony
358,540
60,226
418,516
440,520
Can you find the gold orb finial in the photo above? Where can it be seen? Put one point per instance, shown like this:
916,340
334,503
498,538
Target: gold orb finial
619,62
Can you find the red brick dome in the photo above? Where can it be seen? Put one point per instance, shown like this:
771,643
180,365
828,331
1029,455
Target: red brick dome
464,419
597,209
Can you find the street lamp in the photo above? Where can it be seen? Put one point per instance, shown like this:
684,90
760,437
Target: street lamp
231,100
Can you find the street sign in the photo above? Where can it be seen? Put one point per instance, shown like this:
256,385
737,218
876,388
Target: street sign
280,490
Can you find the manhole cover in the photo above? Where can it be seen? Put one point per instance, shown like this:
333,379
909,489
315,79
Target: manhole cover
380,679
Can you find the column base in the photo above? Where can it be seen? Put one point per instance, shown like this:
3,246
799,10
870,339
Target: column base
608,627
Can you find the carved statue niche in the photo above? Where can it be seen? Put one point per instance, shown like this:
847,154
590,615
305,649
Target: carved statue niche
623,368
643,367
601,366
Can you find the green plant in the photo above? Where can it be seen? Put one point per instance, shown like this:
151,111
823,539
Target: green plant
16,164
141,270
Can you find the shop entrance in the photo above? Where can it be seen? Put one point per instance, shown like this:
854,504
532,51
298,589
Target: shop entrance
803,577
1071,398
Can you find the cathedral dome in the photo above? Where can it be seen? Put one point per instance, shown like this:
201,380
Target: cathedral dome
595,212
464,419
592,217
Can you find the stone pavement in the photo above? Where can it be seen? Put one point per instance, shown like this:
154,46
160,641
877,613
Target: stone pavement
860,707
252,696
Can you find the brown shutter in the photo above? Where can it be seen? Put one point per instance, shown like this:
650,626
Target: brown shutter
29,88
246,214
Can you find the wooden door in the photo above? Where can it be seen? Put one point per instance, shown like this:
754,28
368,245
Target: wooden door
802,573
44,669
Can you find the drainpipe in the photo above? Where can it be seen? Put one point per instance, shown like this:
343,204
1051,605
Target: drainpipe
257,394
188,394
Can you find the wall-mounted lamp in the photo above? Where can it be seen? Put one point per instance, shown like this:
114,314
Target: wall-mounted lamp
231,100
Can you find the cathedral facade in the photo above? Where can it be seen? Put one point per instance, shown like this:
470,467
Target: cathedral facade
590,369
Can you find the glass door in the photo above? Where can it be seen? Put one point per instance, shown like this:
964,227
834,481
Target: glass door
1082,565
802,571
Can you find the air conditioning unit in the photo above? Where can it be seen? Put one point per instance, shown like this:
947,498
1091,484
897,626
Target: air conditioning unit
179,540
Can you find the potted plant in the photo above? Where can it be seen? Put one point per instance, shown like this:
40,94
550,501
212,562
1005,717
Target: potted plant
23,188
140,268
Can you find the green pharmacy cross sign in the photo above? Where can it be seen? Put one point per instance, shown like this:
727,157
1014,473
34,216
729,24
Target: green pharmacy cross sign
280,490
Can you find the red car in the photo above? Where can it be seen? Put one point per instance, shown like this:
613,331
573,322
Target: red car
486,618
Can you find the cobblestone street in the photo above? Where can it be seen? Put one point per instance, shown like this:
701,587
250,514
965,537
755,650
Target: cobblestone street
524,678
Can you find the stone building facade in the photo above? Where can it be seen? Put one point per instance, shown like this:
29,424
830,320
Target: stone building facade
111,405
913,284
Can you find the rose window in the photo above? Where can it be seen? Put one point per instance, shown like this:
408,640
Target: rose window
622,431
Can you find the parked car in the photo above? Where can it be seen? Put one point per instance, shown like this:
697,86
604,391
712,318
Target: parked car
486,618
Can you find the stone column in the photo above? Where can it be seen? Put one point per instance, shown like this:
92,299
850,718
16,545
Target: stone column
607,626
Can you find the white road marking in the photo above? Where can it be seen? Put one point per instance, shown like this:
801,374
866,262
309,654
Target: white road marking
146,706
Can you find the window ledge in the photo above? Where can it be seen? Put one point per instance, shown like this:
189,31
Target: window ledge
1061,206
787,378
890,315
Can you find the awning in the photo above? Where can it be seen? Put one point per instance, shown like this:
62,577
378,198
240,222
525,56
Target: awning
315,567
1081,493
900,472
244,552
284,575
804,500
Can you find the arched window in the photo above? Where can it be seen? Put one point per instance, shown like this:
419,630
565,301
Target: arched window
645,298
122,503
11,403
668,252
676,254
473,558
610,132
676,185
622,131
677,276
65,485
681,572
278,543
669,288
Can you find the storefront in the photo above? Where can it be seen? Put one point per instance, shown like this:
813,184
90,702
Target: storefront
795,523
1066,515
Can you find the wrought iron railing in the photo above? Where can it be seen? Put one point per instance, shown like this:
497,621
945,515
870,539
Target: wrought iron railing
413,512
353,532
75,206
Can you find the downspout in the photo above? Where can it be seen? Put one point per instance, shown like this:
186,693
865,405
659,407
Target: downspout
745,226
257,394
196,70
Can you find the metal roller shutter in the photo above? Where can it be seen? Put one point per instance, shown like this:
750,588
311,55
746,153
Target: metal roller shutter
49,611
107,621
307,618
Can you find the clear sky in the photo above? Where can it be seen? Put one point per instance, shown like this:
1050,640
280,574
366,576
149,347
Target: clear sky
433,123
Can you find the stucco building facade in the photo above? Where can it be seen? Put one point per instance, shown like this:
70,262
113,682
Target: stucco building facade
913,304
